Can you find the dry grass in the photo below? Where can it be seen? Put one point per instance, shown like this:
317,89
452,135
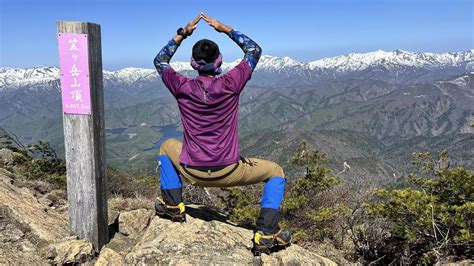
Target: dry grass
120,203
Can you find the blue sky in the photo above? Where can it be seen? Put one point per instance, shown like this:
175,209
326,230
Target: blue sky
134,31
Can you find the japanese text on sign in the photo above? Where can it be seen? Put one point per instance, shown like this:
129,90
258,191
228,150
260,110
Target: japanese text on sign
74,68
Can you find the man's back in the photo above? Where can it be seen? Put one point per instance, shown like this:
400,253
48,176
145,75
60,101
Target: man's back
209,113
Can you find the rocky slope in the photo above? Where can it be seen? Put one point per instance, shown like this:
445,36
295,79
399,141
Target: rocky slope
33,230
27,223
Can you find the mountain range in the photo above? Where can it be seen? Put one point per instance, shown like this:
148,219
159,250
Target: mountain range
396,66
369,111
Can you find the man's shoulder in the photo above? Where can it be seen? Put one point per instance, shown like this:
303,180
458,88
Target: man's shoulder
239,69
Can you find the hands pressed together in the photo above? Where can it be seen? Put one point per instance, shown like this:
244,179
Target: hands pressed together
216,24
251,49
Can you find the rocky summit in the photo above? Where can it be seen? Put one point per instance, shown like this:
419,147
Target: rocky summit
35,231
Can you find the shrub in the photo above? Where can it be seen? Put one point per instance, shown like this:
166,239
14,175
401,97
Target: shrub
307,209
428,221
243,203
121,183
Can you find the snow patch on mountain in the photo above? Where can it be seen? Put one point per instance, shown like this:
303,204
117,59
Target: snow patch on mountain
16,77
392,60
181,66
130,75
272,63
463,80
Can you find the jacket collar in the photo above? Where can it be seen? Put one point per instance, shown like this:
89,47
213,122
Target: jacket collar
200,77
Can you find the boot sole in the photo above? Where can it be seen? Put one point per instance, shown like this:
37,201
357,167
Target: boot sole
173,218
259,250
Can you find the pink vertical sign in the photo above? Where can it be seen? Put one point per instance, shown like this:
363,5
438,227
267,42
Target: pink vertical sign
74,68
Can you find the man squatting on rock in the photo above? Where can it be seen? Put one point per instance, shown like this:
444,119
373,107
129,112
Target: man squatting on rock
209,154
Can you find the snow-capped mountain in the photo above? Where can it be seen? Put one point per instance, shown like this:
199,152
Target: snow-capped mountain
273,63
12,78
394,59
129,74
394,67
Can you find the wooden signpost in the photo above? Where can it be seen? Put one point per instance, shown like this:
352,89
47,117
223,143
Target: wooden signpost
80,59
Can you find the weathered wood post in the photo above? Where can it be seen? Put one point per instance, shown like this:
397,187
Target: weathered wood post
80,58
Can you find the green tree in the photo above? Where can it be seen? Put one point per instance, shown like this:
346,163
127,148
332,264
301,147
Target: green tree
430,220
306,210
35,162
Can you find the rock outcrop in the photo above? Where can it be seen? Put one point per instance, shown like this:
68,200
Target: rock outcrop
33,231
109,257
26,224
70,250
133,222
6,156
202,242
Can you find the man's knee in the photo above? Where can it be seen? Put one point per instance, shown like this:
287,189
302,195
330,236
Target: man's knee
278,171
167,145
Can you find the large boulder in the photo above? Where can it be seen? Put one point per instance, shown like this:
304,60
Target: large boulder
132,222
109,256
71,251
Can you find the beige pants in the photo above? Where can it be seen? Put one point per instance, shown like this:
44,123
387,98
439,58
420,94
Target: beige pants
247,172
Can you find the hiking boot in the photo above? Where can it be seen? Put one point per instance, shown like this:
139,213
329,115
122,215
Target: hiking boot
174,213
267,243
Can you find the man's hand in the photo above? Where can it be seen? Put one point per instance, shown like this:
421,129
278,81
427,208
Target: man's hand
216,24
192,25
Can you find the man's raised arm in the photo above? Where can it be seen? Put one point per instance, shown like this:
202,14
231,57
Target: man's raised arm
162,59
251,49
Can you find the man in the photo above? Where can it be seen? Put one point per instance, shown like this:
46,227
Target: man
209,155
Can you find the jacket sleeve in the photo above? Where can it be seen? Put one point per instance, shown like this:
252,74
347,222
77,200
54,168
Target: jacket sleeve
239,75
172,79
251,49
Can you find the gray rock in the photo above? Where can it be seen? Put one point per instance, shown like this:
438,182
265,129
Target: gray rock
6,157
295,255
26,246
45,201
109,256
132,222
71,251
11,233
